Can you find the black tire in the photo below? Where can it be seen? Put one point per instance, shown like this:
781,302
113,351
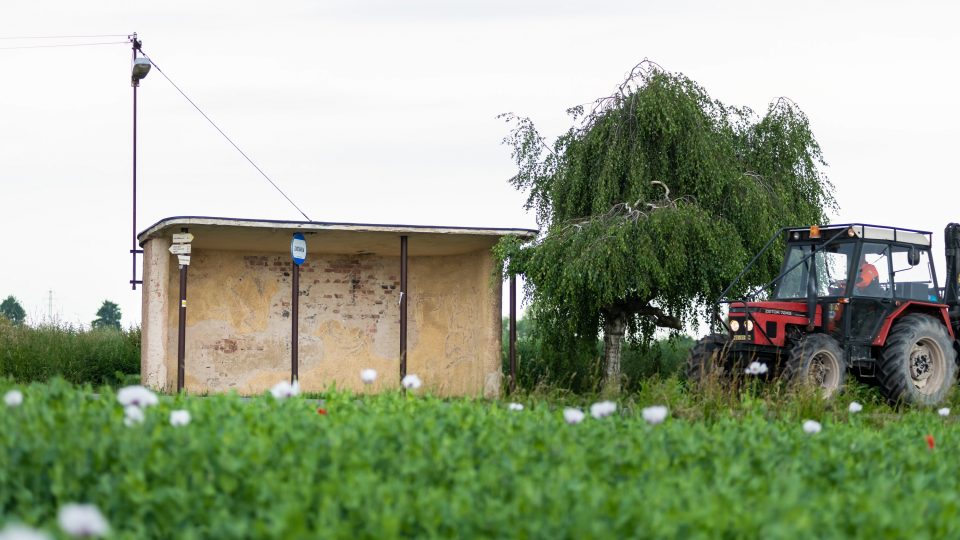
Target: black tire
918,364
706,358
817,361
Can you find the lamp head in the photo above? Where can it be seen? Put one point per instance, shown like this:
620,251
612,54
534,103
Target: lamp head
141,66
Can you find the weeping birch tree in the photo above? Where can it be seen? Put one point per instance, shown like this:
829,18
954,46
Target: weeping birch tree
651,203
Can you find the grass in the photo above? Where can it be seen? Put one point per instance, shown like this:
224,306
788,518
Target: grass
101,356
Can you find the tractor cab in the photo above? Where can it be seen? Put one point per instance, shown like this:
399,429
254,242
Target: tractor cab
855,277
841,293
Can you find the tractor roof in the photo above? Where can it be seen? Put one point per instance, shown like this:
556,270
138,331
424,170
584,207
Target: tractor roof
862,230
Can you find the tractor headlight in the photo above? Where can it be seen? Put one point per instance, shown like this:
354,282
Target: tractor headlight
749,326
735,325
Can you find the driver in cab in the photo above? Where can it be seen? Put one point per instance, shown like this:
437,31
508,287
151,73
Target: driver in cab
867,278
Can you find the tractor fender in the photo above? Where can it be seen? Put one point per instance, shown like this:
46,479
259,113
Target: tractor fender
938,311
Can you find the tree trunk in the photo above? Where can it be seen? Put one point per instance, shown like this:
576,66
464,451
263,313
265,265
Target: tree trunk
614,326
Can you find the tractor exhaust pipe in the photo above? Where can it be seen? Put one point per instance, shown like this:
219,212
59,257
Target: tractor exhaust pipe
812,291
951,294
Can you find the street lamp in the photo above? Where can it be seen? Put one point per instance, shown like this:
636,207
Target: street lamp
139,70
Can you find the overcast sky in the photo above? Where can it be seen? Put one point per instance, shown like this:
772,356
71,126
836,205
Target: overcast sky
385,112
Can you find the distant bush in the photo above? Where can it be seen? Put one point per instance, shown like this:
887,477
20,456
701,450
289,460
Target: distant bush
581,370
99,356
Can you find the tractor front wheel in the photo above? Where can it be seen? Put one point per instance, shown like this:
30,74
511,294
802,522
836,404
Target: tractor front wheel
918,363
816,361
706,358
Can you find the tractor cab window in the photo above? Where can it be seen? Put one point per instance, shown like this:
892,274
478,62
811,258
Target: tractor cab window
873,272
832,264
913,282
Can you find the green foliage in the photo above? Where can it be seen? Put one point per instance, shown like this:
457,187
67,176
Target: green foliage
97,357
577,368
108,316
395,465
11,310
654,201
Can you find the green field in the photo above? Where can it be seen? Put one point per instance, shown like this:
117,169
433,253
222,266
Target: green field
398,465
97,356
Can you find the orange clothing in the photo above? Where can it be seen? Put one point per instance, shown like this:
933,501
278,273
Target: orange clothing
868,274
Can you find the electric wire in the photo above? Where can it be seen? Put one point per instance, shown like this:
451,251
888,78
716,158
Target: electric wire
63,45
195,106
64,37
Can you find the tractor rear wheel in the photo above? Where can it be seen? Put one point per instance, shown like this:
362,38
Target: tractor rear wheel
816,361
918,363
706,358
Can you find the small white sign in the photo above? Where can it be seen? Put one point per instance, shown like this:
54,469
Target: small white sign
184,260
180,249
182,238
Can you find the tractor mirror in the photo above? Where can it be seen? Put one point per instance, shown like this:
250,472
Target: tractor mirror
913,256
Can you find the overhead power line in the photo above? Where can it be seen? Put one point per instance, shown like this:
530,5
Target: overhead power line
63,45
64,37
195,106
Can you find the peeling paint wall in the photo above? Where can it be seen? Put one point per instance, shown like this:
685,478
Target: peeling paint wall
239,321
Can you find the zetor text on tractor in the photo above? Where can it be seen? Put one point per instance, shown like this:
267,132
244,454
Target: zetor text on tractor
849,298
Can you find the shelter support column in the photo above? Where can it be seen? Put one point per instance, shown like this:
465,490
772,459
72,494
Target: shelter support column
513,333
182,326
155,313
403,307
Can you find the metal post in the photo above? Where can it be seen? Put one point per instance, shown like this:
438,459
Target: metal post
133,248
135,83
513,333
403,307
295,315
182,330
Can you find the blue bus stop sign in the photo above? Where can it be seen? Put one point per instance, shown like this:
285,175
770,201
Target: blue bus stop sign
298,248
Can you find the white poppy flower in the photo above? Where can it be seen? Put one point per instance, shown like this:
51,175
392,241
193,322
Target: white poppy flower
812,427
603,408
411,382
137,396
368,376
855,407
132,415
22,532
756,368
179,418
284,390
515,406
944,411
13,398
654,415
82,520
573,416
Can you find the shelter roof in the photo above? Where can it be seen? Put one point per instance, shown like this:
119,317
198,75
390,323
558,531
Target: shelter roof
237,234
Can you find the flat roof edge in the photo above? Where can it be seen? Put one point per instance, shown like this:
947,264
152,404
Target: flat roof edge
186,221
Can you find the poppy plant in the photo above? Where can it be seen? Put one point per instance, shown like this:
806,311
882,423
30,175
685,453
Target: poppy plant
654,415
573,416
411,382
82,521
368,376
603,408
322,411
13,398
136,396
930,443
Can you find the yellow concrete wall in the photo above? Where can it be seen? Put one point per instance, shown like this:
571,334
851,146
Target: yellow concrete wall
239,326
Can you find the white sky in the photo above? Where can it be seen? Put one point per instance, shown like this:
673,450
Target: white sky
384,112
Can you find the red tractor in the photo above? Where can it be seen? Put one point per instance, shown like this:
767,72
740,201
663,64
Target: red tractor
853,298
